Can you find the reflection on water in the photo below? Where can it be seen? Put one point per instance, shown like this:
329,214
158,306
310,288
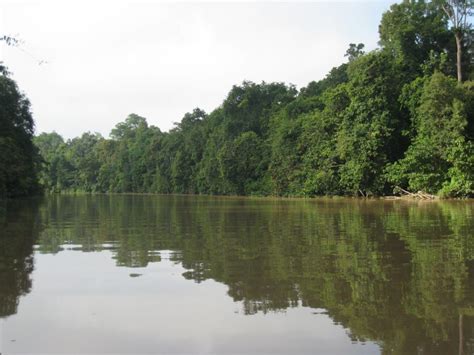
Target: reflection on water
318,276
18,231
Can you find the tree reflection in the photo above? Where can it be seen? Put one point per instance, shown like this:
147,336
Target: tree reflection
18,230
399,273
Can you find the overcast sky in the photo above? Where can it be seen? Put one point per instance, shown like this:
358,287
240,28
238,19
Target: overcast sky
160,60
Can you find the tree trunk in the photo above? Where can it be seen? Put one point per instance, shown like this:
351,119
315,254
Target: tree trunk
459,55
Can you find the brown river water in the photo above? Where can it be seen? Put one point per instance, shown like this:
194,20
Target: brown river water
189,274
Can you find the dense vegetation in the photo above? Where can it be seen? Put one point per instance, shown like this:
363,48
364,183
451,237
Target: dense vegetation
18,155
399,116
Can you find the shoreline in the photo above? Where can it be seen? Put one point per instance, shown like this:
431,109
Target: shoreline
261,197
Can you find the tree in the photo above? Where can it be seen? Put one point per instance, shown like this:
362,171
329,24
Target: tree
82,152
242,162
18,155
410,31
369,132
439,160
337,75
56,172
458,12
248,107
354,51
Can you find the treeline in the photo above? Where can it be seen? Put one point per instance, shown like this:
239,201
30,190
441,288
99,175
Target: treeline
393,117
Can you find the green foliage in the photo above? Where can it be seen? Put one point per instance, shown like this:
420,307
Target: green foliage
243,162
354,51
18,155
337,75
250,106
440,157
56,171
370,128
412,30
460,182
320,161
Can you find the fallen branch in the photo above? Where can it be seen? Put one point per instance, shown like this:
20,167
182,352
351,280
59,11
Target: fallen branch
417,195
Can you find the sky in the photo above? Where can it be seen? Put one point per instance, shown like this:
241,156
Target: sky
107,59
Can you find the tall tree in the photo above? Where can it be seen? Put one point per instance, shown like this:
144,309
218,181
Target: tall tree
458,12
412,30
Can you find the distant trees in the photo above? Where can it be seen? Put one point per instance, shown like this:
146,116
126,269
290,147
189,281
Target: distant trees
55,173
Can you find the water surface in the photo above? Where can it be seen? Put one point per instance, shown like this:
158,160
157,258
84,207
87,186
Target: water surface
183,274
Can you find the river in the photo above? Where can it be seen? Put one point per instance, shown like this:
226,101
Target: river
193,274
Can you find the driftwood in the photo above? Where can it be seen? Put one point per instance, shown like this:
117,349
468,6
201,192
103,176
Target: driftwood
417,195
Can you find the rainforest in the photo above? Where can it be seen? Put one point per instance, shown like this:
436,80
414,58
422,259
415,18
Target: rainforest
398,118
